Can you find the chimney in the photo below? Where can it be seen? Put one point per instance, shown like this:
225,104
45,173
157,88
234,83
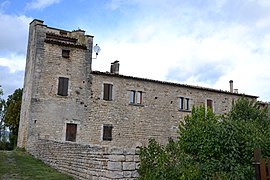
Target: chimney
115,67
231,86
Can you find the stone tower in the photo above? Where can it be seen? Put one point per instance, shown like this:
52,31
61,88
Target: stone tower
56,85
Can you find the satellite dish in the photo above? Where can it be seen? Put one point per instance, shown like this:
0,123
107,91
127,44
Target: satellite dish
97,49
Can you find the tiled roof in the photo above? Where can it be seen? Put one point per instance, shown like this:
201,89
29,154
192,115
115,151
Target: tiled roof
169,83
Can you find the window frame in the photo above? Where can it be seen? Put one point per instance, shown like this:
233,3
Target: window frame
107,132
71,136
136,98
184,103
65,53
107,91
209,104
63,84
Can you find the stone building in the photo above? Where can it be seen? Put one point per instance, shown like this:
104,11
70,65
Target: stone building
89,123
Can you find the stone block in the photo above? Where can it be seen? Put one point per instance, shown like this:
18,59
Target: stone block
128,174
135,174
115,150
137,158
115,174
129,158
116,157
114,165
129,165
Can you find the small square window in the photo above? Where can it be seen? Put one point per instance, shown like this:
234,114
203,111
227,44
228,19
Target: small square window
65,53
107,132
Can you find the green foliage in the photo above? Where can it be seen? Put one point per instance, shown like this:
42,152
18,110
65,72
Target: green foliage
211,146
165,162
12,114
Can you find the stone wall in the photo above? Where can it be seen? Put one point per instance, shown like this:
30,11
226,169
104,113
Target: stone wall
88,161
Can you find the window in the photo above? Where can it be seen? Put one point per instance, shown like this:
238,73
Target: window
71,132
184,104
132,97
107,93
62,86
136,97
209,104
65,53
107,132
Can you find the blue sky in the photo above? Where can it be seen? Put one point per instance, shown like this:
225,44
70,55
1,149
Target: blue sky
196,42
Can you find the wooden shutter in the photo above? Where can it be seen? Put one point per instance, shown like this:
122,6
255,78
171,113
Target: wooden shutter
71,132
63,86
107,132
107,93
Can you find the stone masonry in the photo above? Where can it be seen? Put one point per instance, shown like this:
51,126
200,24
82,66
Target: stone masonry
89,123
93,162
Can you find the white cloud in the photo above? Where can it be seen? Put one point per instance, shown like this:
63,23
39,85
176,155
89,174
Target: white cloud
41,4
14,33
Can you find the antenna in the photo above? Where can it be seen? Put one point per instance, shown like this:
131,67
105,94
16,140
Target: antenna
96,50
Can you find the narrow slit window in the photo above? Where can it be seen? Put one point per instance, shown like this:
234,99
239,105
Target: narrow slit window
107,132
71,132
107,93
65,53
62,86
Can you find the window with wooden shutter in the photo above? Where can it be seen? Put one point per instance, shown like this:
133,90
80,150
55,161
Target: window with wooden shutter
107,93
71,132
209,104
107,132
62,86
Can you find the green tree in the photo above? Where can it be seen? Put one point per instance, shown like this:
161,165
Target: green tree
12,114
217,147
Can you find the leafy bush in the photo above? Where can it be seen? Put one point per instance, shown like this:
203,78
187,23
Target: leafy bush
211,146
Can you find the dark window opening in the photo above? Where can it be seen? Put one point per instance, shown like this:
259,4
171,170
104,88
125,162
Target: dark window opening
71,132
65,53
62,86
107,132
107,94
209,104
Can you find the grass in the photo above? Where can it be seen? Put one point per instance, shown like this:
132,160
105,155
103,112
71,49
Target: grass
20,165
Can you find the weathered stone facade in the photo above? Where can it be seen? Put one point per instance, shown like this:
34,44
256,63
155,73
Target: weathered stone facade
69,112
